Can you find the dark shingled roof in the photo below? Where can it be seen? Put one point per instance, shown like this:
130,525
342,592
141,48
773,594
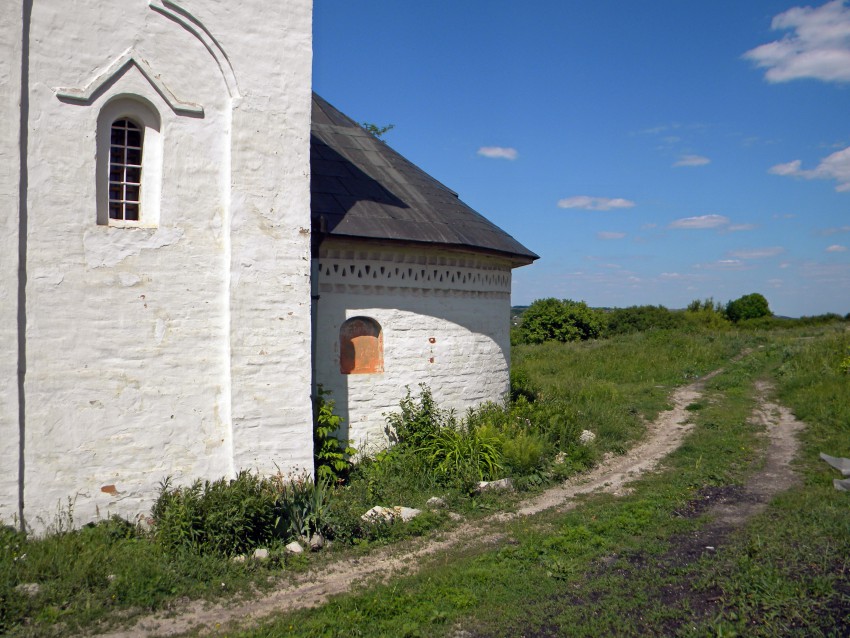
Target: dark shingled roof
362,188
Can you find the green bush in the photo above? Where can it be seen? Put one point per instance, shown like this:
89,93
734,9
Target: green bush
225,517
522,385
750,306
230,517
418,421
559,320
707,314
641,319
525,453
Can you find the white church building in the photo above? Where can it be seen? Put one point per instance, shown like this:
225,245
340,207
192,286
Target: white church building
191,241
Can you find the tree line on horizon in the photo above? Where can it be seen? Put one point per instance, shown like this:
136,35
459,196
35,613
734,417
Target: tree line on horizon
565,320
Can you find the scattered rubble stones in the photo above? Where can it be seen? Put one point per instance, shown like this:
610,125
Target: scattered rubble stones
261,553
379,513
29,589
494,486
294,548
436,501
586,437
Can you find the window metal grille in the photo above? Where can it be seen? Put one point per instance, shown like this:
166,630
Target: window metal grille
125,170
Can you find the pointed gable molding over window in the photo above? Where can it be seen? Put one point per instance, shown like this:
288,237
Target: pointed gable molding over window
110,75
361,346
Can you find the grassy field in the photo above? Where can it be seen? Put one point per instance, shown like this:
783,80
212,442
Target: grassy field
612,566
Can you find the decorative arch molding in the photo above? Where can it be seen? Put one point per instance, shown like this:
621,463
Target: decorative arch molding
109,75
194,26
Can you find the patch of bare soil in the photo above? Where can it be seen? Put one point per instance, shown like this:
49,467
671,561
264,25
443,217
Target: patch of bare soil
740,504
314,588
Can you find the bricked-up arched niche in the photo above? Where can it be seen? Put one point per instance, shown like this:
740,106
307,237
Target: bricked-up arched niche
361,346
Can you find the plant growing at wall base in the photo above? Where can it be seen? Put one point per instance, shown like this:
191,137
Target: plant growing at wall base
464,454
419,421
331,456
303,506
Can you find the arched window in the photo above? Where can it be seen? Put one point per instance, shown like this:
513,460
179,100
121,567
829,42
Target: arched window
361,346
125,170
129,163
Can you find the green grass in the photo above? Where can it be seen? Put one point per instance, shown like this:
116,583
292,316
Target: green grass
612,386
85,575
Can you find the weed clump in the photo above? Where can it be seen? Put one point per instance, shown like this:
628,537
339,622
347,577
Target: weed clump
235,516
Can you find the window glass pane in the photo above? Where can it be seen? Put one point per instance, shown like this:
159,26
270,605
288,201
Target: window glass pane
116,155
131,193
134,138
115,192
131,212
116,174
117,136
115,211
134,175
134,156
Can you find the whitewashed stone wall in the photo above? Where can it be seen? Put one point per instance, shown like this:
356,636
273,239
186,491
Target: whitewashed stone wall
445,319
180,349
10,81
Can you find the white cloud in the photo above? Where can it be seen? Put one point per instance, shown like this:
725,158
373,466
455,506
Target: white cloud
739,227
818,45
757,253
498,152
692,160
789,168
775,283
835,166
836,248
724,264
594,203
610,235
702,221
835,231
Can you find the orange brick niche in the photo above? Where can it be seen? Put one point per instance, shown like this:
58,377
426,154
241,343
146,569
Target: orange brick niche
361,346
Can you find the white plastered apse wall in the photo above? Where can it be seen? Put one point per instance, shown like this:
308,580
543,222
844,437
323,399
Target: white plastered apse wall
452,335
10,80
144,345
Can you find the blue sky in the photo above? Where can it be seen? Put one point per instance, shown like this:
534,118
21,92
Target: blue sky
650,152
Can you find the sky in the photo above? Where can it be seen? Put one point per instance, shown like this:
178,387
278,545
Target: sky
651,152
